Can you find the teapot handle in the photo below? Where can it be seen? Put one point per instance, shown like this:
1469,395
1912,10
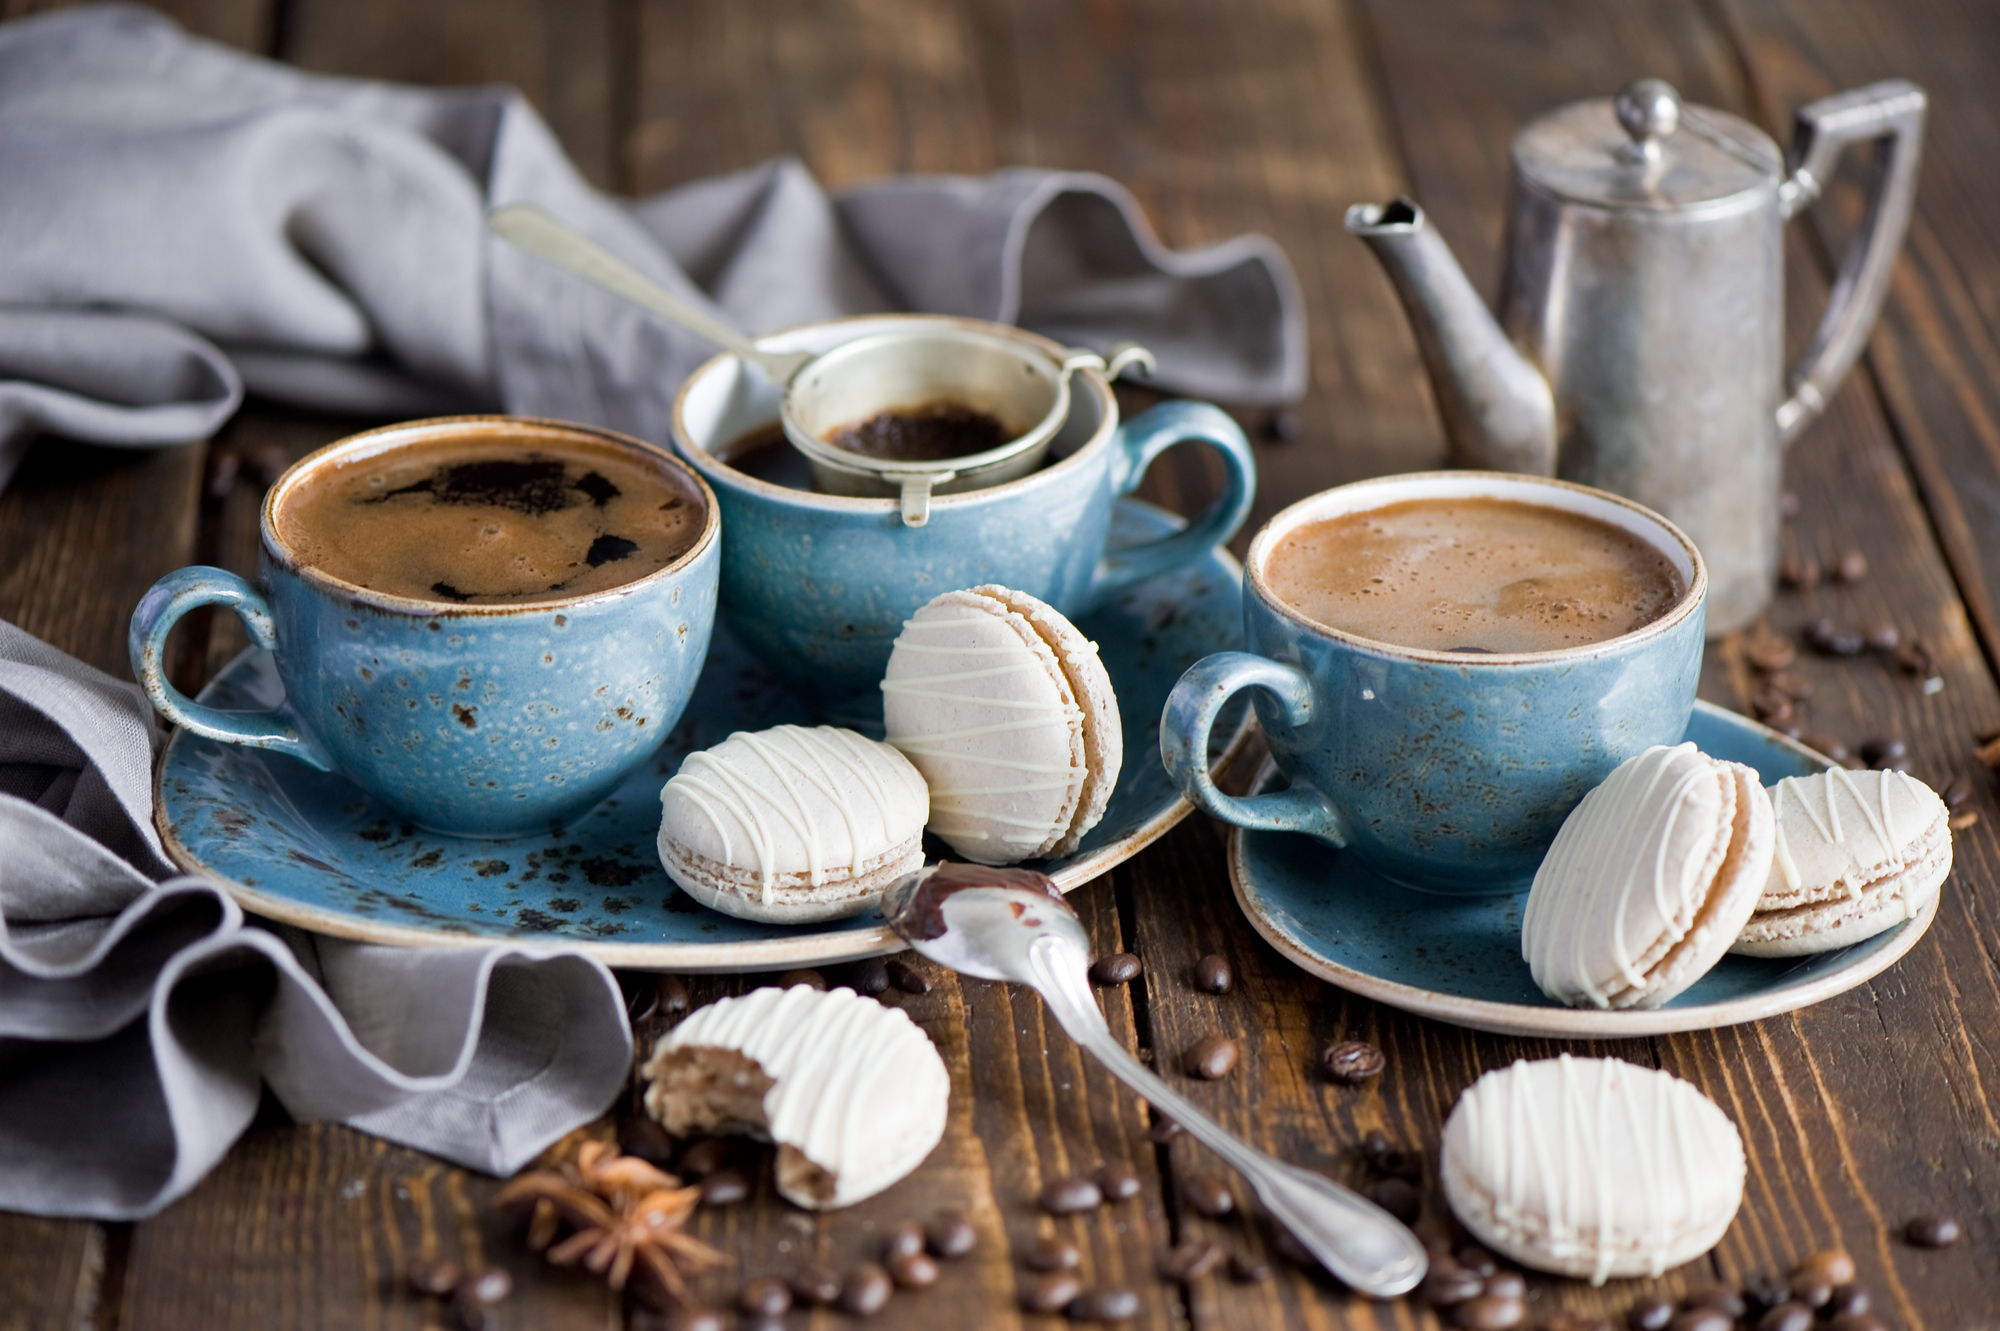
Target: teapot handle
1892,113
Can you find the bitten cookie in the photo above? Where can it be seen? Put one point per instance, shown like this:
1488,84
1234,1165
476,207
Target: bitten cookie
1009,714
1857,852
792,825
1650,880
853,1092
1592,1167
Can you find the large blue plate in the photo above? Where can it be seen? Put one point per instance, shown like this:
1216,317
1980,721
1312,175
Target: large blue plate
1460,960
312,849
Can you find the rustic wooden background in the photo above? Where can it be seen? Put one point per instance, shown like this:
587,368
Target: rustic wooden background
1266,115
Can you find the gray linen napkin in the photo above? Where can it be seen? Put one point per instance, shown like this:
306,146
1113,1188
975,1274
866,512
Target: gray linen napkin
137,1016
179,221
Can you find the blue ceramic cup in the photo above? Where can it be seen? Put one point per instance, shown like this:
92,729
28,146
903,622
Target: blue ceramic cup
477,720
818,585
1443,771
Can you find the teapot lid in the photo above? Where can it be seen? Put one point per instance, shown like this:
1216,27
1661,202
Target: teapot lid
1646,149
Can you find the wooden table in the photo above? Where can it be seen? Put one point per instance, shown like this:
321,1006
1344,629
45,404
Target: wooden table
1266,115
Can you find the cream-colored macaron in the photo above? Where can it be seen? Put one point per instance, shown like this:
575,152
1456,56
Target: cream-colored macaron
792,825
853,1092
1009,714
1592,1167
1650,880
1857,853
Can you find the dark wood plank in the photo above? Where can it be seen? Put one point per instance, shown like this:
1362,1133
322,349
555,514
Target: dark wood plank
52,1273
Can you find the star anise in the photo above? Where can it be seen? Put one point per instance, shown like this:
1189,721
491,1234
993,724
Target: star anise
625,1218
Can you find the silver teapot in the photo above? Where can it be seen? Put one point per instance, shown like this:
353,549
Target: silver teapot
1640,343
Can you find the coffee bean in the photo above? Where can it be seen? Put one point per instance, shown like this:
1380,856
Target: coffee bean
1163,1130
913,1270
1282,426
1788,504
1797,571
1933,1231
487,1287
223,467
1883,752
907,977
903,1240
810,978
1488,1313
1051,1293
704,1156
1716,1296
952,1235
1703,1319
1054,1255
1117,1182
1479,1261
1376,1146
1798,690
434,1275
1848,1298
1853,566
1764,1290
1110,1303
1212,975
1915,657
671,994
1772,707
696,1319
1065,1196
1249,1269
1399,1198
1190,1260
1507,1285
1352,1062
1650,1314
866,1290
870,977
1769,652
1449,1286
1209,1194
725,1187
765,1298
1118,968
1857,1322
1957,793
1811,1292
1789,1315
1881,636
1825,744
1833,639
642,1137
1288,1247
817,1284
1211,1059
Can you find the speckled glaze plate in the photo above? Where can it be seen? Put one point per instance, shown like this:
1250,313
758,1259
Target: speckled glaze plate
1460,961
311,849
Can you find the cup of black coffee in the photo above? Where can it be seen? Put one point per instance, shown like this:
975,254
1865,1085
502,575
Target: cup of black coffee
1445,664
485,621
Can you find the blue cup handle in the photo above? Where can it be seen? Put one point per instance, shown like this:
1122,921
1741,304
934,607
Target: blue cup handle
159,609
1190,714
1143,439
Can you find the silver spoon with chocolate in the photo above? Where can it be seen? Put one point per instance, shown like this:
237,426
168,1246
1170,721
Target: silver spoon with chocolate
1013,925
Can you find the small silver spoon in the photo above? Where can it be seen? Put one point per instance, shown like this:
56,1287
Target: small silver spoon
1025,933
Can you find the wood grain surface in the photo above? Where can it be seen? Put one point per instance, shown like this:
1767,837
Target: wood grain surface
1270,116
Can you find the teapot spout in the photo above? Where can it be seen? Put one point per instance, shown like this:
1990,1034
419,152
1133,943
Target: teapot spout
1498,411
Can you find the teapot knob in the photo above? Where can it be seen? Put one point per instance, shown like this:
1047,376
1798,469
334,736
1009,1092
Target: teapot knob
1649,110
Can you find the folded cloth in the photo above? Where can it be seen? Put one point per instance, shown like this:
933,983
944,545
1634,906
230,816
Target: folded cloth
139,1013
182,221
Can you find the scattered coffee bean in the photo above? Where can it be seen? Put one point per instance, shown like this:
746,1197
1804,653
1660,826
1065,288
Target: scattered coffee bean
704,1156
1853,566
1764,1290
434,1275
1932,1231
1163,1130
1957,793
1798,690
1209,1194
1479,1261
812,979
223,466
1915,657
1190,1260
1811,1292
913,1270
1351,1062
952,1235
866,1290
1857,1322
1448,1286
1212,975
1772,707
1788,504
1827,745
1889,752
1507,1284
1650,1314
907,977
642,1137
1288,1247
1959,822
696,1319
1881,636
1798,571
1789,1315
1399,1198
1769,652
1054,1255
1211,1059
1375,1147
1109,1303
1065,1196
1118,968
487,1287
1716,1296
1118,1182
870,977
1703,1319
1489,1313
1249,1269
725,1187
817,1284
469,1316
1849,1298
672,995
1282,426
1051,1293
765,1298
1833,639
905,1239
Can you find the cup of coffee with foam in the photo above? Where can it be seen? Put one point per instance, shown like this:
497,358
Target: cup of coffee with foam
1445,664
487,622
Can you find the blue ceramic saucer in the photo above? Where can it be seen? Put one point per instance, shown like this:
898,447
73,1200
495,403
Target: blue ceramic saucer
1459,960
309,848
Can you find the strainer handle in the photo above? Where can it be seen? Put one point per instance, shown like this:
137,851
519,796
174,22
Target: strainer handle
1139,442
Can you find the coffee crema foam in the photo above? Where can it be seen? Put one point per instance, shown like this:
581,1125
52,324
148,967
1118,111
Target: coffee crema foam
491,521
1473,575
